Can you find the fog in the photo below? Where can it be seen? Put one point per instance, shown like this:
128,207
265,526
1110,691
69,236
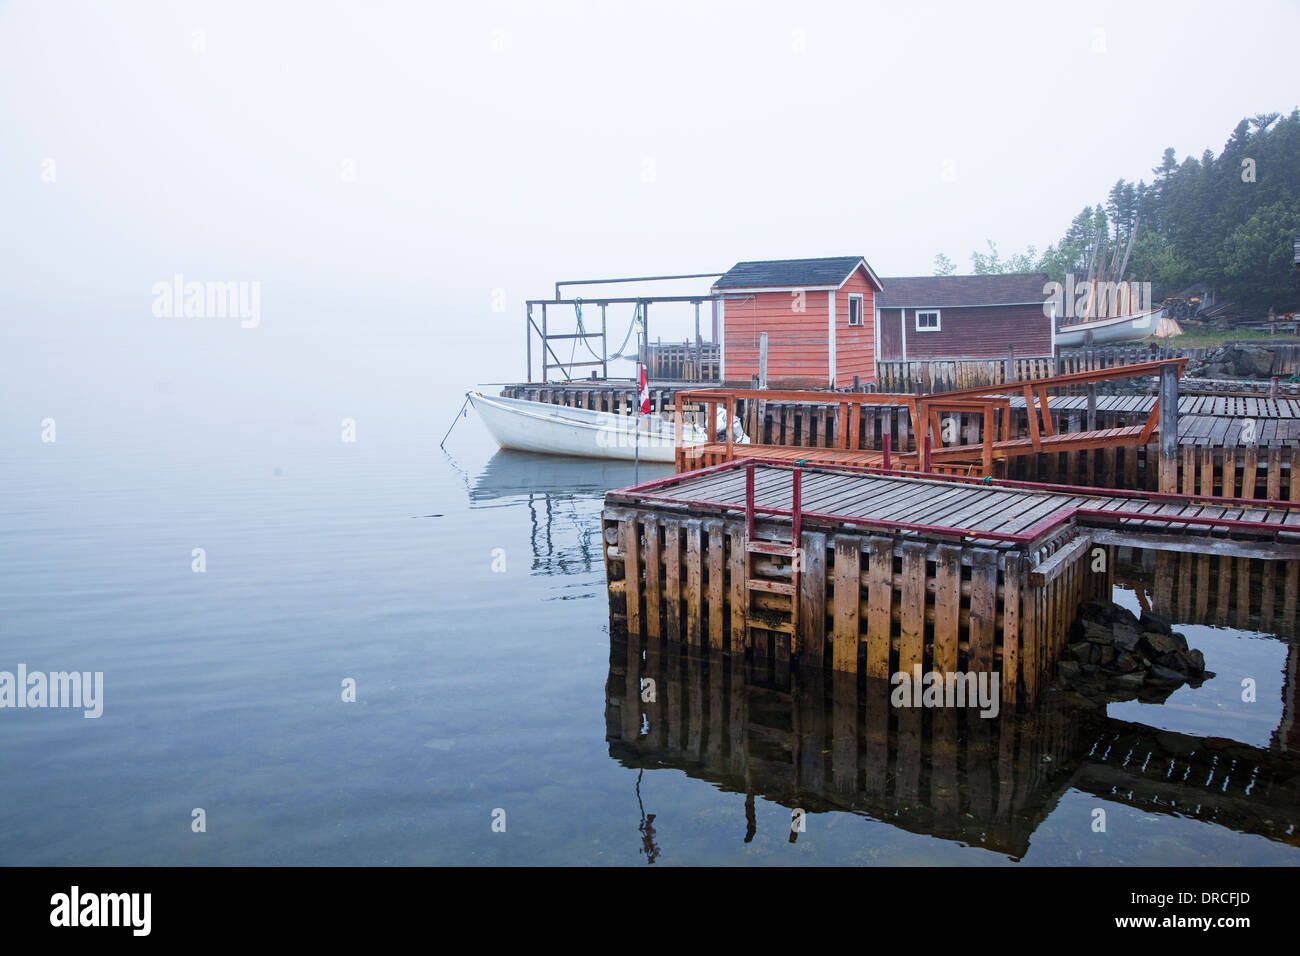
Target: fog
388,172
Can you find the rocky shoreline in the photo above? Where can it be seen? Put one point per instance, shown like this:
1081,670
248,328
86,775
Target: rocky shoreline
1114,655
1235,361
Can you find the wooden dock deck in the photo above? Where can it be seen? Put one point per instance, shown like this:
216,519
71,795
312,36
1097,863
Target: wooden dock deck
880,571
1231,445
994,514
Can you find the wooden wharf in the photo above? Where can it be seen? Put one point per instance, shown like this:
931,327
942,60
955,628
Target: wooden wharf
942,445
876,572
1225,445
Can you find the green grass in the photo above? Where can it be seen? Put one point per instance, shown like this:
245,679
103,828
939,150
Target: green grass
1210,338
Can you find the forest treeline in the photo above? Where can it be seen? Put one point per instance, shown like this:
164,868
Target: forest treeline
1228,221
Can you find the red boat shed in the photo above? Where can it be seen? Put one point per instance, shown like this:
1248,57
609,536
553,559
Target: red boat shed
819,316
963,317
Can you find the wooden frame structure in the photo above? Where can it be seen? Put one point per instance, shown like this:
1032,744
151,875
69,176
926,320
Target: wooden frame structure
991,404
848,408
880,572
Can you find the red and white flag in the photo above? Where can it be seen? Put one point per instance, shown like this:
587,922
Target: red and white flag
645,390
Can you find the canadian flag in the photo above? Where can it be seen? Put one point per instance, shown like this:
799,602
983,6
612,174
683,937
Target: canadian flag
645,390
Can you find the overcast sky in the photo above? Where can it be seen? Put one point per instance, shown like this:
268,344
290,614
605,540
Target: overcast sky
388,165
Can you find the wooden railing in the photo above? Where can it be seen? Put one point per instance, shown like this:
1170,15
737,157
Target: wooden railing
942,375
990,403
848,408
683,362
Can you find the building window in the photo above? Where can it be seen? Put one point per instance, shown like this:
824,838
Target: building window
927,321
855,309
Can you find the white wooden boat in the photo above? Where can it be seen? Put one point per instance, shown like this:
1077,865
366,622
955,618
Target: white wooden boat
1121,328
559,430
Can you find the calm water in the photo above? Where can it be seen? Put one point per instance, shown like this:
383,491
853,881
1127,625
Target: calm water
482,687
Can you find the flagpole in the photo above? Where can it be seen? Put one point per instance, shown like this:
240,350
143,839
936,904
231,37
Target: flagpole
640,371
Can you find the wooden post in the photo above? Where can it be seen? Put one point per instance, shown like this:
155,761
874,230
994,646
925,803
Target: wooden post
947,604
737,568
1168,428
699,360
848,602
983,610
912,606
631,573
653,594
1013,575
762,360
716,580
1092,407
811,596
1011,364
880,595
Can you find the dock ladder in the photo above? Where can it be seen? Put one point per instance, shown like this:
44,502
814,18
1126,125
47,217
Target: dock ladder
766,619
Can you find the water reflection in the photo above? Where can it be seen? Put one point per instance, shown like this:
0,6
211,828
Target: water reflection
823,743
563,537
1220,590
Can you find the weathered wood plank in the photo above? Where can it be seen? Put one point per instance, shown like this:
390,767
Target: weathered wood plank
911,648
739,638
812,597
716,592
672,550
653,579
1050,568
880,596
983,609
847,601
947,605
1248,472
629,545
1030,628
1013,579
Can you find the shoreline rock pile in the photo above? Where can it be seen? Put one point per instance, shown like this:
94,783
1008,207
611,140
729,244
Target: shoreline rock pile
1113,655
1235,361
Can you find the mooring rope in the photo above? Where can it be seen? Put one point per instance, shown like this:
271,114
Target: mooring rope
582,331
636,320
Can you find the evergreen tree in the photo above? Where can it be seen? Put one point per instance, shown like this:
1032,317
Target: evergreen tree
1228,221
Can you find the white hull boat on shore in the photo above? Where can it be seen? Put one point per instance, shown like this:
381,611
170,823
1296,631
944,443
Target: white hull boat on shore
1121,328
558,430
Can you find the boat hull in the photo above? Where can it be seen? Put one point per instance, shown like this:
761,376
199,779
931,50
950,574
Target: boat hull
1123,328
557,430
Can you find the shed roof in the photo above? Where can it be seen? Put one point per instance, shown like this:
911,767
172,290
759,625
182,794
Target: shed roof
1015,288
793,273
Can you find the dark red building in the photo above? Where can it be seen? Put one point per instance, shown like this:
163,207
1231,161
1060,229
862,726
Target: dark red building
963,317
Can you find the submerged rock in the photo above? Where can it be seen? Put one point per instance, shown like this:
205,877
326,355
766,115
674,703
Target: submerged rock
1125,637
1114,655
1151,621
